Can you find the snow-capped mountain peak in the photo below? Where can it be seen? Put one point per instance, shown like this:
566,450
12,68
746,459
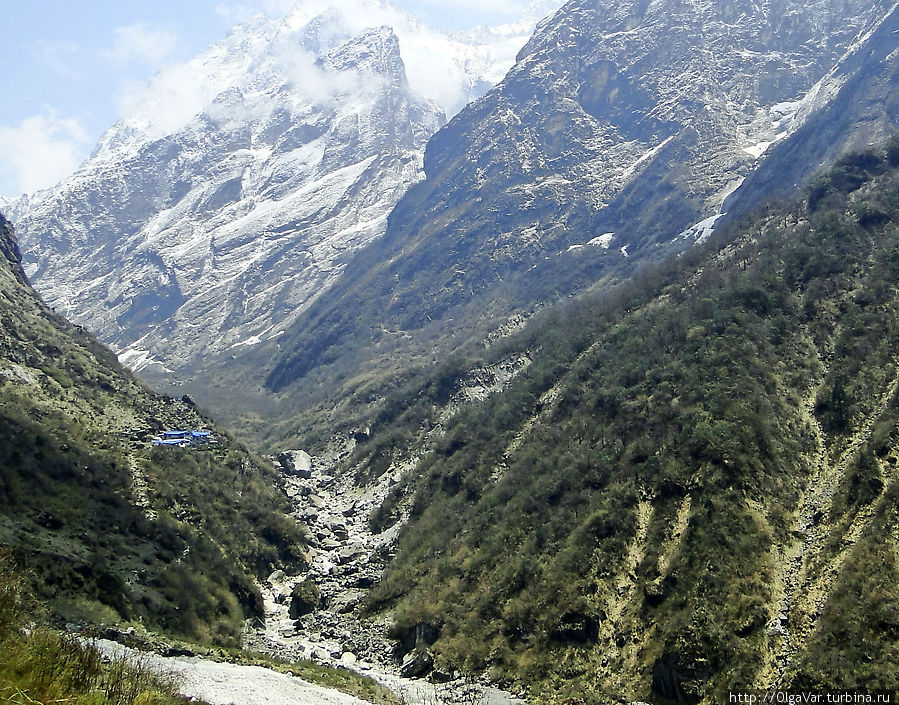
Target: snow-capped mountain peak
237,185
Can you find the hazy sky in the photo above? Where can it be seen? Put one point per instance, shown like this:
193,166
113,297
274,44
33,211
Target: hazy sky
66,66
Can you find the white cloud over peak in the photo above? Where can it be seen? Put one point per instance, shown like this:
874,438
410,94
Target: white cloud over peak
512,8
144,43
40,151
242,11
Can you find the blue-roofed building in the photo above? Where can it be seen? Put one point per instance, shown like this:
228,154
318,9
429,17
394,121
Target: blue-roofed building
182,439
171,442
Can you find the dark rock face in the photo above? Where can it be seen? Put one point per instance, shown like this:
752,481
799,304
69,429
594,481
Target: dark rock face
855,106
627,120
676,682
418,636
576,628
10,249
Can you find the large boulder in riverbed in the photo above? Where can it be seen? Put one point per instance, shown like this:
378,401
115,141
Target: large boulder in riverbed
413,637
304,598
416,664
296,462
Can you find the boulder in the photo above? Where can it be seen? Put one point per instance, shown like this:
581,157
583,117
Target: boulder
344,602
348,553
279,576
304,598
340,530
296,462
416,664
308,515
415,637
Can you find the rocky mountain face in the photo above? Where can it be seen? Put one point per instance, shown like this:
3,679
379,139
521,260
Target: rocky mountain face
620,128
853,107
241,183
107,526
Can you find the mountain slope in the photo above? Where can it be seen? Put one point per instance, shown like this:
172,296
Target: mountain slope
238,186
110,527
691,486
621,125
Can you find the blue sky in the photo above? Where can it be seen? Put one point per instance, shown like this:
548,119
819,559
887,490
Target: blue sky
67,66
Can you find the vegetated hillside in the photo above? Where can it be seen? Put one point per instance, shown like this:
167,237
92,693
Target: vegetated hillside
110,527
691,487
38,665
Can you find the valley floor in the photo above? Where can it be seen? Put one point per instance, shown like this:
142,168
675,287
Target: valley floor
232,684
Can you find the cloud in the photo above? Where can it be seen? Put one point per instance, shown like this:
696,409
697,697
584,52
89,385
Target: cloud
57,55
242,11
512,8
168,102
143,43
39,152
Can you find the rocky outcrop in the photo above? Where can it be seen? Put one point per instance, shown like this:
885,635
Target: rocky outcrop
854,106
9,248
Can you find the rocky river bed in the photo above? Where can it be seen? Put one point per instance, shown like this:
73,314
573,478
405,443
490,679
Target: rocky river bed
316,615
321,621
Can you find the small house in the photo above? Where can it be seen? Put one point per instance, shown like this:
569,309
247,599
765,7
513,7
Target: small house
175,435
200,437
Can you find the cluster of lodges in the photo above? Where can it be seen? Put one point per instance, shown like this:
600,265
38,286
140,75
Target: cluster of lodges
182,439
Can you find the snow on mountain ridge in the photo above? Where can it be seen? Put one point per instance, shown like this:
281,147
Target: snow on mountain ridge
237,186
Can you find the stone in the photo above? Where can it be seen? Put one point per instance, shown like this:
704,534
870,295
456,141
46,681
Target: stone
304,598
308,515
348,553
345,602
340,530
416,664
296,462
